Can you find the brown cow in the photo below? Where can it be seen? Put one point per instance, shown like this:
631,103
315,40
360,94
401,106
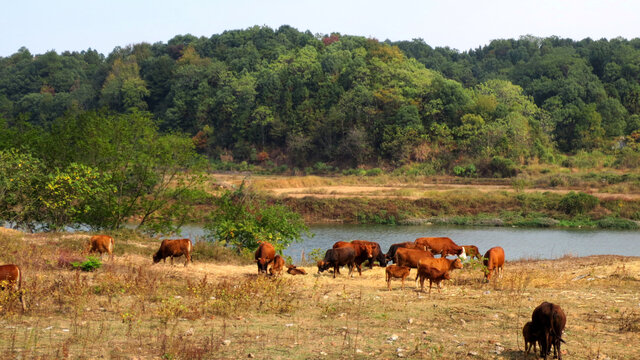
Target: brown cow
436,270
391,254
493,261
548,321
293,270
471,251
376,252
11,279
101,244
173,248
441,245
277,265
264,256
363,252
530,339
410,258
397,272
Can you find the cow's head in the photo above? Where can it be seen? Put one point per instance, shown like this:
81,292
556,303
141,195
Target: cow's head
262,264
382,259
457,264
157,257
369,251
322,266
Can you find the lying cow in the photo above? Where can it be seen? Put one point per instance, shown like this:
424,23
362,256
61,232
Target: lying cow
11,279
493,261
363,252
396,272
441,245
277,266
293,270
436,270
547,324
101,244
336,258
173,248
264,256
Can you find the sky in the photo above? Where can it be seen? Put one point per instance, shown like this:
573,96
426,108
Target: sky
77,25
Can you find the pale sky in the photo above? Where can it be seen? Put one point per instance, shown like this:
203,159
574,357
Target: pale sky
77,25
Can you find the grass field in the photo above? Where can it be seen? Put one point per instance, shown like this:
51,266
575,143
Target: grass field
131,309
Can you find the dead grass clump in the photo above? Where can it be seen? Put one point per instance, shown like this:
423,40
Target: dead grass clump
213,251
260,294
629,321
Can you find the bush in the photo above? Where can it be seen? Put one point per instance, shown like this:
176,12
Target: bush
91,264
502,167
374,172
617,223
465,171
577,203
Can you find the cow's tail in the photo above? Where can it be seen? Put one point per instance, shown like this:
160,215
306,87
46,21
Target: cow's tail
553,319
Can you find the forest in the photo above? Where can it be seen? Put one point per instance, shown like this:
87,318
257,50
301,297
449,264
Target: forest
118,129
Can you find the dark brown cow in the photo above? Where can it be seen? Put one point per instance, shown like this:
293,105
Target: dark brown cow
101,244
293,270
410,258
336,258
436,270
441,245
363,252
11,279
530,339
277,265
376,252
173,248
548,321
472,251
264,256
397,272
493,261
391,254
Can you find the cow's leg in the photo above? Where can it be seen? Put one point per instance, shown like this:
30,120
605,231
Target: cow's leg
335,270
171,260
188,259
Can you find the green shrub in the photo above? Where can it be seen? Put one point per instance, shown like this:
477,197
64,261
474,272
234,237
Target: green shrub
91,264
577,203
374,172
502,167
617,223
465,171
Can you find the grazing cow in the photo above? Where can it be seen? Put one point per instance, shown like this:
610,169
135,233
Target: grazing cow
376,252
277,265
293,270
493,261
471,251
441,245
397,272
363,252
11,279
410,258
391,254
336,258
436,270
530,338
173,248
264,256
548,321
101,244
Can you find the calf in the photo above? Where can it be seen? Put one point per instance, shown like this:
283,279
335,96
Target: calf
11,279
293,270
376,252
548,321
398,272
391,254
493,261
264,255
363,252
101,244
173,248
436,270
441,245
410,258
336,258
277,265
530,338
471,251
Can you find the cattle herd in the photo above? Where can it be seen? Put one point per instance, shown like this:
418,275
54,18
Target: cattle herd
547,321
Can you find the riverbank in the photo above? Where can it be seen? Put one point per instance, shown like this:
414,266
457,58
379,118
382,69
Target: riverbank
214,309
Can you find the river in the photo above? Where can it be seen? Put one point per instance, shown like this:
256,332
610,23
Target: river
518,243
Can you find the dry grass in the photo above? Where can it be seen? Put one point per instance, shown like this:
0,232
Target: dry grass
132,309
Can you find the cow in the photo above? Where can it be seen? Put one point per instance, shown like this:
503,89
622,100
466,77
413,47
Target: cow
391,254
493,261
11,279
530,338
264,256
398,272
173,248
101,244
336,258
277,265
363,252
293,270
436,270
410,258
471,251
548,321
441,245
376,252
